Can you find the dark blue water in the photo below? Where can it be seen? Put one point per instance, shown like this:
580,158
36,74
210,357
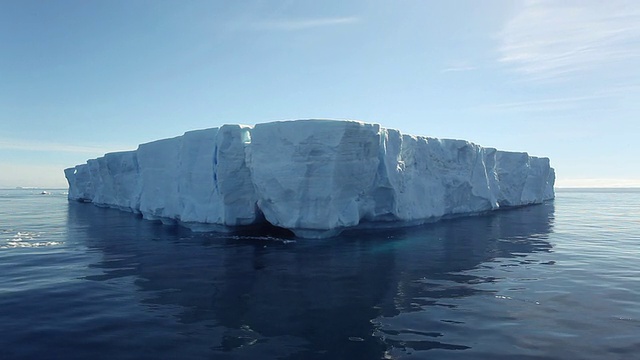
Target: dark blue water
555,281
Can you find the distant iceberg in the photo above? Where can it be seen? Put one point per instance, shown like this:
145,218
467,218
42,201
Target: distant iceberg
313,177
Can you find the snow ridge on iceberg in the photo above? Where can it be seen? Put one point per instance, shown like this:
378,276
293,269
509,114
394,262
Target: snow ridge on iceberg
314,177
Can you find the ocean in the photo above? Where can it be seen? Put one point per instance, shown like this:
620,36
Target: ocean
560,280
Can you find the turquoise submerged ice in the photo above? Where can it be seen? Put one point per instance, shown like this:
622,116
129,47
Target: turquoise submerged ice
314,177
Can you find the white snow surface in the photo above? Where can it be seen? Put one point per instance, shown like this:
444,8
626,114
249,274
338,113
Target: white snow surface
314,177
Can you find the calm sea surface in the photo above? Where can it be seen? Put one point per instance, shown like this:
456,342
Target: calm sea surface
554,281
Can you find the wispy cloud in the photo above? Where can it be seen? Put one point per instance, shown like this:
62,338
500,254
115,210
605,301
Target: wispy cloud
458,66
307,23
11,144
458,69
599,98
550,104
551,39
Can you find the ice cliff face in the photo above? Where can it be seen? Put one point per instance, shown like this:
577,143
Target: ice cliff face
314,177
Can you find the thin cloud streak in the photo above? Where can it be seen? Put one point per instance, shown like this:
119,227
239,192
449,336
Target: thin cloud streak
554,40
458,66
549,104
459,69
597,183
302,24
38,176
54,147
545,104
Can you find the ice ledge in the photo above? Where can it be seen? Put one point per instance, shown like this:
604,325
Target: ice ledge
313,177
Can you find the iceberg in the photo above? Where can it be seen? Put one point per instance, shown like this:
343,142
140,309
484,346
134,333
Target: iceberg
313,177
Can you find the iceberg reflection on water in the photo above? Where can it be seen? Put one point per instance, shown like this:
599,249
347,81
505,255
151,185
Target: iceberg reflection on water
363,295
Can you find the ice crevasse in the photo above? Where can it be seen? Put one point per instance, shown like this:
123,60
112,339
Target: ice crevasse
313,177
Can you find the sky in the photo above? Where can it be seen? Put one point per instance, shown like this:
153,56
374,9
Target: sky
558,79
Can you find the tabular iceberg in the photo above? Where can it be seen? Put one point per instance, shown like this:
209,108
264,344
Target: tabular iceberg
313,177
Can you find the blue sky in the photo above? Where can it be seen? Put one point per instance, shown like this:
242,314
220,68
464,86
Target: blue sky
553,78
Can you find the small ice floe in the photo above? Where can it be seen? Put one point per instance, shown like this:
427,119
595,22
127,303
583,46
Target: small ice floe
262,238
